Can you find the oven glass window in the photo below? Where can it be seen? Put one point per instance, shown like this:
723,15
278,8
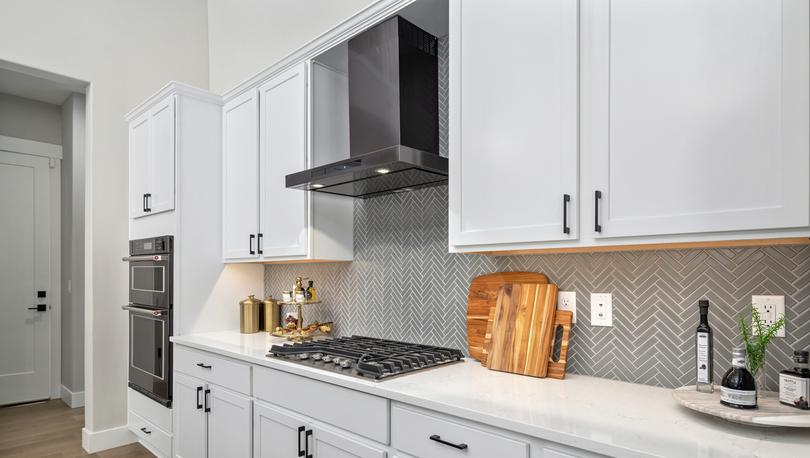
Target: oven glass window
146,344
148,278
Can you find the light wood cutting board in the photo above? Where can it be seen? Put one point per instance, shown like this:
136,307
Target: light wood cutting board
482,298
522,329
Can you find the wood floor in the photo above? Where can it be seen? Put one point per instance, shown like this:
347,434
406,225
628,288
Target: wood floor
51,429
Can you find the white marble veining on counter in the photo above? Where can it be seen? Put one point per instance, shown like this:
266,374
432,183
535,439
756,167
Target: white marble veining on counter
600,415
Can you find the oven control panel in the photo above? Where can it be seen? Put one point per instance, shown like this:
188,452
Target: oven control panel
152,245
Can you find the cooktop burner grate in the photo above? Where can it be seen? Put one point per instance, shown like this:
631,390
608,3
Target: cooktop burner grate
366,356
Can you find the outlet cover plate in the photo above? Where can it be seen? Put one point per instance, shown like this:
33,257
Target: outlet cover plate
601,309
567,300
770,309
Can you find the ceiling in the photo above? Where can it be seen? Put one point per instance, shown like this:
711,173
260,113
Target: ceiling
24,82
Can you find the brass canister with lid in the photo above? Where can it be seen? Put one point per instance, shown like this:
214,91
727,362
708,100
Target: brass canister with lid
271,315
249,315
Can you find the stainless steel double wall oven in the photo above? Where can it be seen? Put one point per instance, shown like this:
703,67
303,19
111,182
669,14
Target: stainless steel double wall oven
150,316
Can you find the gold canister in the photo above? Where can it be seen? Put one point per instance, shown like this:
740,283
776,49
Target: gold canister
270,315
249,315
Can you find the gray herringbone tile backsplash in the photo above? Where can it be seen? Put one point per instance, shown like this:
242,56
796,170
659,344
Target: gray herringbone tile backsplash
403,284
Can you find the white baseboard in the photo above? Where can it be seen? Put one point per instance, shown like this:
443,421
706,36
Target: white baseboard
96,441
72,399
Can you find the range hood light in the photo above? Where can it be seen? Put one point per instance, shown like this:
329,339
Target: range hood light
383,171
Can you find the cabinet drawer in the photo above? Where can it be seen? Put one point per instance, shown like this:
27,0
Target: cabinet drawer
150,410
155,438
212,368
411,432
360,413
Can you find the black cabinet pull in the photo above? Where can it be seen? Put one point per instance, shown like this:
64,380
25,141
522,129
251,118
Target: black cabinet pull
148,203
307,435
439,439
146,431
144,203
259,243
199,403
207,394
252,237
300,449
566,201
204,366
597,196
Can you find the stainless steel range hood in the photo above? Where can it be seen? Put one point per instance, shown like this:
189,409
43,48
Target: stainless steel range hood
393,117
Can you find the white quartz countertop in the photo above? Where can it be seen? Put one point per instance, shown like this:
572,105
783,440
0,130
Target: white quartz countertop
600,415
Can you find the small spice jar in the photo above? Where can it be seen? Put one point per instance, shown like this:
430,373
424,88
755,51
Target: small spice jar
286,296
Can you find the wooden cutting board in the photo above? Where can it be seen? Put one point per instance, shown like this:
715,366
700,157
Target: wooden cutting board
482,297
522,328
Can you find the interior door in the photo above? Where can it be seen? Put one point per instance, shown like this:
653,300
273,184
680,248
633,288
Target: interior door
229,421
240,163
139,159
25,227
283,147
190,428
161,164
277,433
513,121
695,115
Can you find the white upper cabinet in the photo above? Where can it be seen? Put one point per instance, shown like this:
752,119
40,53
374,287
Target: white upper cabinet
283,150
152,158
240,176
695,116
513,122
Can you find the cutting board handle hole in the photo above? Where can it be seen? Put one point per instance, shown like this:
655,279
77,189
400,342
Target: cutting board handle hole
557,344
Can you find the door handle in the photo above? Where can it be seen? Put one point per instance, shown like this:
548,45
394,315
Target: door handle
259,244
144,203
204,366
146,431
300,450
252,238
39,308
148,204
597,196
199,403
439,439
307,435
566,201
205,398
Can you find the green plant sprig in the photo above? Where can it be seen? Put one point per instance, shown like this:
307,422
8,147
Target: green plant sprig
755,345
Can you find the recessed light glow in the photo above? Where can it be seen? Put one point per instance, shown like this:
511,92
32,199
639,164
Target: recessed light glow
383,171
317,185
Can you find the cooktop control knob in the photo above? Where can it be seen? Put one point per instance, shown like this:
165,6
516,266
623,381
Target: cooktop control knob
317,356
345,364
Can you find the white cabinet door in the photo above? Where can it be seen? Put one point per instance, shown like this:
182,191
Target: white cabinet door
283,150
161,163
240,175
277,433
695,115
513,121
189,416
139,158
328,443
229,420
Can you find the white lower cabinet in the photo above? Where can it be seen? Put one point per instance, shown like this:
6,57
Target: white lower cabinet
212,421
281,434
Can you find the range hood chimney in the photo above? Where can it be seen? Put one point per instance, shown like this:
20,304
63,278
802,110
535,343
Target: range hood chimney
393,117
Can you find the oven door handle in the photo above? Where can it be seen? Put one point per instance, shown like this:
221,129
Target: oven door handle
147,257
144,310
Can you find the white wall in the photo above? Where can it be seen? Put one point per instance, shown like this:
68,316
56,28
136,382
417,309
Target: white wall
126,50
30,119
247,36
73,143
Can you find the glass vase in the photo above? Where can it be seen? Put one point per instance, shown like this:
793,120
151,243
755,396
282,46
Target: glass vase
761,379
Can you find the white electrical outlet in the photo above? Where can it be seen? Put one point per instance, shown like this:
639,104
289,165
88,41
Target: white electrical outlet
567,300
770,309
601,309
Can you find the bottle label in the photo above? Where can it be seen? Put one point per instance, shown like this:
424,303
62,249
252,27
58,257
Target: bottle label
702,363
794,391
738,397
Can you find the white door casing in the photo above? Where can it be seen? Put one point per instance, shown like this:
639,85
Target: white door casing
25,335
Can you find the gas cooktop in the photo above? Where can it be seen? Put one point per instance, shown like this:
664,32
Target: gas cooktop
366,357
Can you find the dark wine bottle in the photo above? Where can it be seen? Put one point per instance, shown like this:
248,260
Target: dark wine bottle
704,351
739,389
